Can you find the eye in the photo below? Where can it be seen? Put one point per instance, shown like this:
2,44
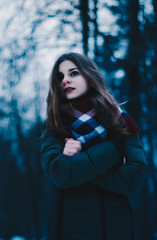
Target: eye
74,73
60,76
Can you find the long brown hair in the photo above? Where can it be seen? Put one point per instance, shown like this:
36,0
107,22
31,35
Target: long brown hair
105,105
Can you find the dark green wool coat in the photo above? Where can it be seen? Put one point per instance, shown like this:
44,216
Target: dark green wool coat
91,188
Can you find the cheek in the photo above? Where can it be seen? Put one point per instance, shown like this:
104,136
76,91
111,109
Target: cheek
83,88
84,84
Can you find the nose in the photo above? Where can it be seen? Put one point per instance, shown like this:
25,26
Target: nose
66,80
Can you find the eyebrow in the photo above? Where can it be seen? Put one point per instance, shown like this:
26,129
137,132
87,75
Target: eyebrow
71,69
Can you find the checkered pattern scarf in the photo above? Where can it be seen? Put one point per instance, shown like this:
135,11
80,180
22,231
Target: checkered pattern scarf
84,126
83,123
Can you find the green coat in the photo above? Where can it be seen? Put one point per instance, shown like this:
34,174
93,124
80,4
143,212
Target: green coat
91,188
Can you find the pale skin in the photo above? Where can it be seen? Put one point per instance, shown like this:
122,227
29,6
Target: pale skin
71,147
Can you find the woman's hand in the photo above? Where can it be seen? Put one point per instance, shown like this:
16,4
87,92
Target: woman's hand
71,147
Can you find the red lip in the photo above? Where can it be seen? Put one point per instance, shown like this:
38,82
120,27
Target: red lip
69,89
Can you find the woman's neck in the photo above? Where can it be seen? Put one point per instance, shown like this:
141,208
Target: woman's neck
83,104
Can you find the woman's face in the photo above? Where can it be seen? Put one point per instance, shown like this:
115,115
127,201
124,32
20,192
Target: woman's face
73,83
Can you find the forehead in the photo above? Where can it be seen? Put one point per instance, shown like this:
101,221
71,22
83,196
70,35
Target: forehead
66,66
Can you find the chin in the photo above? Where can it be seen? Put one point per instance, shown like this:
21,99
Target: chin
71,97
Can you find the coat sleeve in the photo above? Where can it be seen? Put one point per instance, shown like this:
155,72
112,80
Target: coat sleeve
129,177
64,171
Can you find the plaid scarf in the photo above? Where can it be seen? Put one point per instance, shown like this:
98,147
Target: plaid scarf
86,121
82,122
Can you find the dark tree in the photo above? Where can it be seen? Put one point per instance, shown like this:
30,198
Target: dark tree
84,7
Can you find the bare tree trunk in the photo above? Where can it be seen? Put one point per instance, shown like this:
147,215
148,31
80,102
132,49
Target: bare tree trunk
85,28
133,60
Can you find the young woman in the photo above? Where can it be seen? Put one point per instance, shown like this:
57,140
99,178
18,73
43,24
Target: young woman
91,153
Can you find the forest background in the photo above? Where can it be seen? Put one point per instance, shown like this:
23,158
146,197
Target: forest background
121,37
